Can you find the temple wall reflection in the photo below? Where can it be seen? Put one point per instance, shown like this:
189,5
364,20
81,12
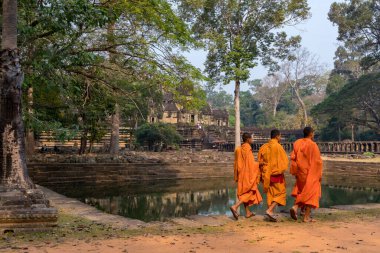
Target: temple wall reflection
159,206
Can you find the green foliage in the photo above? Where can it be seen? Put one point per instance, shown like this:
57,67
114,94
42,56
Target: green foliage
336,82
334,131
369,154
287,103
251,113
358,102
239,33
231,117
369,135
358,24
157,134
220,99
353,92
82,57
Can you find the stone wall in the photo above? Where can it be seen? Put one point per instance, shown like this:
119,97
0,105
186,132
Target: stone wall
91,174
56,174
352,175
364,169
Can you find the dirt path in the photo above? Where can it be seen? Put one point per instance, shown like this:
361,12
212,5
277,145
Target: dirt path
244,236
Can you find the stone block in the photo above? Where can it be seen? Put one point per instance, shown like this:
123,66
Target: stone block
26,210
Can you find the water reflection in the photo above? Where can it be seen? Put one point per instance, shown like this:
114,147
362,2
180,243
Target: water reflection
166,199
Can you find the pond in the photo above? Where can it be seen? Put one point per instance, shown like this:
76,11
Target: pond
161,200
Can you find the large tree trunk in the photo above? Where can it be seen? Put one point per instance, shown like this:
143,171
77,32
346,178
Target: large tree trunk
115,132
22,206
237,113
115,123
30,141
13,170
303,107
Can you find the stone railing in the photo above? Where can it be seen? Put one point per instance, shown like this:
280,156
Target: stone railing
356,147
230,147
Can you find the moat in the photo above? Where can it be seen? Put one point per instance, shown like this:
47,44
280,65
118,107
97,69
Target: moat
162,200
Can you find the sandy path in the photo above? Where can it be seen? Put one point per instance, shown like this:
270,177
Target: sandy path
361,236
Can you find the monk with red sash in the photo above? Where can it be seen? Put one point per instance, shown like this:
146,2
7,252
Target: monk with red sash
273,162
246,174
306,166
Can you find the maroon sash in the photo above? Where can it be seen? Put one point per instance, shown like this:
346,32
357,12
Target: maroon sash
277,178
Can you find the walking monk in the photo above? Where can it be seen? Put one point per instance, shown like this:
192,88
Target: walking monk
306,166
273,163
246,174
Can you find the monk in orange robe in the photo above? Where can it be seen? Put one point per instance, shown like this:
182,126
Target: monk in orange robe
306,166
273,162
246,174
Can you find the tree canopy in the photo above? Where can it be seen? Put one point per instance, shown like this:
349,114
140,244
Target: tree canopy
358,102
359,24
81,58
240,34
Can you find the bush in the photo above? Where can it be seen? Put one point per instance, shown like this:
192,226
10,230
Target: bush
369,154
157,136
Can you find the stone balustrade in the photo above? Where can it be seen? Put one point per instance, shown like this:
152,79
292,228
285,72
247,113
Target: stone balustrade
356,147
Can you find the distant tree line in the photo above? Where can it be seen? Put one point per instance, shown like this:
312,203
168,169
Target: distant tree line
342,103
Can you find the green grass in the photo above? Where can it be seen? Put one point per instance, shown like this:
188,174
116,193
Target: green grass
363,214
77,228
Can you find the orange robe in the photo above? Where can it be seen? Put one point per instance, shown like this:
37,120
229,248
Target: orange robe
246,174
306,165
273,162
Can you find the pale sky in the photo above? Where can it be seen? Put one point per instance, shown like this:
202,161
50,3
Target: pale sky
318,36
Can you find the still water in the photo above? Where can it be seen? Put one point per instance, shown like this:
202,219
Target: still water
160,200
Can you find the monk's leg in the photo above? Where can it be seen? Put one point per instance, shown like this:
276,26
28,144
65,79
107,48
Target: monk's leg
271,208
248,212
237,204
307,216
303,209
293,212
235,207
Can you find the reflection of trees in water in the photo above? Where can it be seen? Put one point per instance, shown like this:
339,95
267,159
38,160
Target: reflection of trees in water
161,200
347,196
159,206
